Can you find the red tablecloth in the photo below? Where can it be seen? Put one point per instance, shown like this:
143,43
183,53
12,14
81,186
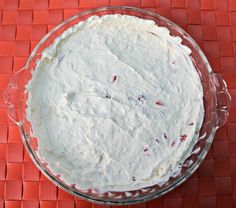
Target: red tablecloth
212,23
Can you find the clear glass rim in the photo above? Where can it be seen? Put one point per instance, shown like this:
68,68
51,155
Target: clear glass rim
139,199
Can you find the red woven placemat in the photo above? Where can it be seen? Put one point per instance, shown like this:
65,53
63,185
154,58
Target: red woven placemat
212,23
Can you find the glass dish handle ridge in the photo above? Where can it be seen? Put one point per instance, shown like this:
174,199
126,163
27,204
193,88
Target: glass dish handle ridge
223,99
11,97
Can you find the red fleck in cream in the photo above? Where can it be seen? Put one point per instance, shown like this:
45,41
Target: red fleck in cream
183,138
114,78
165,136
159,103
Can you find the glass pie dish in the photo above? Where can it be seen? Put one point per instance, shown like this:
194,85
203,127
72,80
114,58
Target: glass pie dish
216,105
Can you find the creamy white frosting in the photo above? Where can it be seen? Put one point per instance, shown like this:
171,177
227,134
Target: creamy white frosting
116,104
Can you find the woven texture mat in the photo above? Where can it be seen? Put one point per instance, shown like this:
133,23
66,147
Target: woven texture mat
212,23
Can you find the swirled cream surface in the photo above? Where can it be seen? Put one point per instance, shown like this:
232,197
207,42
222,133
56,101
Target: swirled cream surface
116,104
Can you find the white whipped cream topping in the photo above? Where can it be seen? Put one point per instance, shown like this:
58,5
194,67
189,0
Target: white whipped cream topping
116,104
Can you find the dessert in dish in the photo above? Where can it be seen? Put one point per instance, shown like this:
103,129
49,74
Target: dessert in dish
116,104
